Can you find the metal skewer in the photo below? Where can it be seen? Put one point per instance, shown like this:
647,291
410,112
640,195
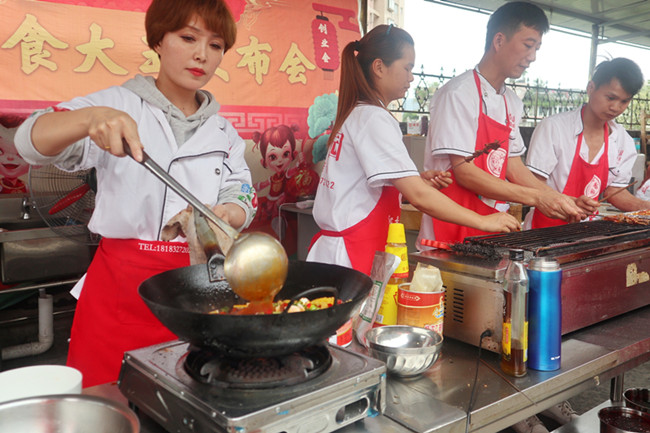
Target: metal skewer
486,149
616,192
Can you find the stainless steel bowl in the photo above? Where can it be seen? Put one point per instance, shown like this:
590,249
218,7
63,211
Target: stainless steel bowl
67,413
406,350
621,419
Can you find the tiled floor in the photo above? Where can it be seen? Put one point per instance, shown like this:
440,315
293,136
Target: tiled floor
16,329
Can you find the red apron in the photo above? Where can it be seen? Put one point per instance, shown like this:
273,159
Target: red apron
584,178
110,317
368,235
494,163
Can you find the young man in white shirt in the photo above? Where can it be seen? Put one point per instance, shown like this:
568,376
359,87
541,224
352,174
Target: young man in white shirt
476,108
585,153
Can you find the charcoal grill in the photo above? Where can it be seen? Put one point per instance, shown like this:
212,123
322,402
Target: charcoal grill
605,272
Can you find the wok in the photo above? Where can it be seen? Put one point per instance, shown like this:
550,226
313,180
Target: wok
182,299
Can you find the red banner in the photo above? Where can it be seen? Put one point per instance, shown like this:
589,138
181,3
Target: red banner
281,74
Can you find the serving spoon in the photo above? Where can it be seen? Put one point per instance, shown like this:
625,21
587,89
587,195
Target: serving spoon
256,263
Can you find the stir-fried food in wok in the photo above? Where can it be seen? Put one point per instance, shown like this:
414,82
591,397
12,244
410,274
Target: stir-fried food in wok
303,304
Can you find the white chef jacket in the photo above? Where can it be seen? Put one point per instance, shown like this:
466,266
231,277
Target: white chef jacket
454,111
131,203
644,191
369,155
553,146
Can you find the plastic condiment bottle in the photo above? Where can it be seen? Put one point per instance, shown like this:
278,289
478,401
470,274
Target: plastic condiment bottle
395,244
514,340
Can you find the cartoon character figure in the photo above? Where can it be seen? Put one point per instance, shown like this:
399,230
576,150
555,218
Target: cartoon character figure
292,179
12,166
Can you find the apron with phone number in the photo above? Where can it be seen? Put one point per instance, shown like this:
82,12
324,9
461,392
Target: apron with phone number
110,317
368,235
584,178
494,163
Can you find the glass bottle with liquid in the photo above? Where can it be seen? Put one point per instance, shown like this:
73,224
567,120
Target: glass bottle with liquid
395,244
514,340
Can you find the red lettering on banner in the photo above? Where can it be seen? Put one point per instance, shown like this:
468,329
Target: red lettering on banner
326,47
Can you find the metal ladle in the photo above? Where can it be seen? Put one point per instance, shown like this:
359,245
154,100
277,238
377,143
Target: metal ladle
256,264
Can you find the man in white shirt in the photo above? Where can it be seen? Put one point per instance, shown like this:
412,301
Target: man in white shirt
585,153
476,108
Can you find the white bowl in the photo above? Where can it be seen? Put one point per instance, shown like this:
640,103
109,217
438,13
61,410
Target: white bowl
39,380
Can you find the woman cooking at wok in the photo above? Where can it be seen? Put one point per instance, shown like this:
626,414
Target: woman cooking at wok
179,126
367,166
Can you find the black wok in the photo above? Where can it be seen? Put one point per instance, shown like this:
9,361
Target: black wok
182,299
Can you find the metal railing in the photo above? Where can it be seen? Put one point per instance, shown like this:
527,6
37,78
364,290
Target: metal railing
539,101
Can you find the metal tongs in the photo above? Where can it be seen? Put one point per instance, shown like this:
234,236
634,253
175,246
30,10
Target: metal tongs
179,189
208,240
255,264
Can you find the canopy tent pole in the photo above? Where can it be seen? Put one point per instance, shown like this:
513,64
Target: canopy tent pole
363,16
595,30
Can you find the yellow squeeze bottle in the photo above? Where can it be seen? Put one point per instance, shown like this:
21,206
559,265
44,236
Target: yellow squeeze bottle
395,244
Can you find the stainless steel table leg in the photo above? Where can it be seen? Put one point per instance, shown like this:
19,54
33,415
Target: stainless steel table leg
616,389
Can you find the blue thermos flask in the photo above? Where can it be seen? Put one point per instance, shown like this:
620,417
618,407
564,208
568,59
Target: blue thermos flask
544,314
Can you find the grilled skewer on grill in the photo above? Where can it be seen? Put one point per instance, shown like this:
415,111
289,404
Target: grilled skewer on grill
486,149
465,248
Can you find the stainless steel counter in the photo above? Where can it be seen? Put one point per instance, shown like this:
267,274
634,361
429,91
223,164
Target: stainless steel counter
437,401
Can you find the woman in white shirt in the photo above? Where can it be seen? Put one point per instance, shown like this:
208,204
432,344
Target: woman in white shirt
182,131
367,167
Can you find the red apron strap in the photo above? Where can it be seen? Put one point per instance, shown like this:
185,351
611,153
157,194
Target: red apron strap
495,163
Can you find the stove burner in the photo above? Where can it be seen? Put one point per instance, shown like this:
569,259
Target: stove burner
213,368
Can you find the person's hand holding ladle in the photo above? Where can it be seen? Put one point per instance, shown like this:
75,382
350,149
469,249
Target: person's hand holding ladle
256,265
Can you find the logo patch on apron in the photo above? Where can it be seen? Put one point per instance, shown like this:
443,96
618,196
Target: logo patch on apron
495,161
592,190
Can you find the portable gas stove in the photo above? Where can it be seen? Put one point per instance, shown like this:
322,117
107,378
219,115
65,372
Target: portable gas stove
605,272
186,389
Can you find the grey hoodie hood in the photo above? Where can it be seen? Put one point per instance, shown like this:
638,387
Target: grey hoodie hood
182,127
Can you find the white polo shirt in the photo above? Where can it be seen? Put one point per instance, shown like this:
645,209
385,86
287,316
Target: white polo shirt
368,154
553,145
454,111
644,191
